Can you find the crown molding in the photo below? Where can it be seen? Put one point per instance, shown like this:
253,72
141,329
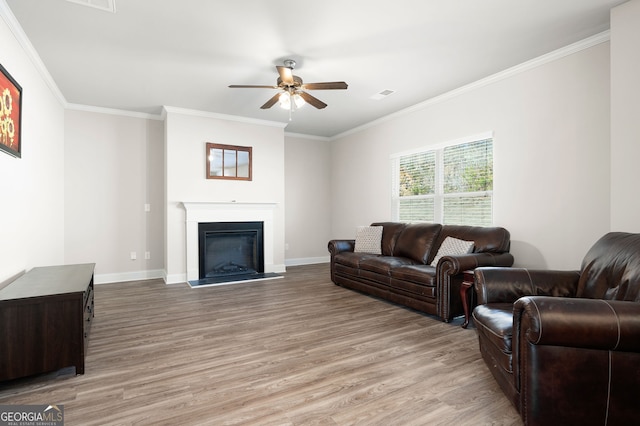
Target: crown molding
113,111
304,136
587,43
15,27
196,113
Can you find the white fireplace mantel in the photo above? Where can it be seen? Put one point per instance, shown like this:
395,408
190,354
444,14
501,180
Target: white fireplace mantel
228,211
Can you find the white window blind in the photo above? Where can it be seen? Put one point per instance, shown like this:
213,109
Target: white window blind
449,185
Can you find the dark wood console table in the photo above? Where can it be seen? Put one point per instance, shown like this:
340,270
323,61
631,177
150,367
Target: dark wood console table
45,318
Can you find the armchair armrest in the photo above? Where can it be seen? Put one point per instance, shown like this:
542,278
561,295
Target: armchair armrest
575,360
506,285
337,246
610,325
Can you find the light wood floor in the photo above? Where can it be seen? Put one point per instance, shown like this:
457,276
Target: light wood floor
292,351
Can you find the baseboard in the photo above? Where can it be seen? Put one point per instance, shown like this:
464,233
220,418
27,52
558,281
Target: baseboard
307,261
128,276
174,278
276,268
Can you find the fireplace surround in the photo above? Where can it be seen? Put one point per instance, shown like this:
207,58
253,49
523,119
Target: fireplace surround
209,212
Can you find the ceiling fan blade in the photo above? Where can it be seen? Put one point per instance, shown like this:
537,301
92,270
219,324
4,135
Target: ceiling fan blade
313,101
286,74
325,86
249,86
271,102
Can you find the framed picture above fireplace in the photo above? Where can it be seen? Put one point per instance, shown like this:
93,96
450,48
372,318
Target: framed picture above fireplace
10,114
228,162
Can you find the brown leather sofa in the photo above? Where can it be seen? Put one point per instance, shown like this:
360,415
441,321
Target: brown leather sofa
402,272
565,345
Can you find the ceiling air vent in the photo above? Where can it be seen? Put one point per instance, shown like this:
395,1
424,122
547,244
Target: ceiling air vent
106,5
382,95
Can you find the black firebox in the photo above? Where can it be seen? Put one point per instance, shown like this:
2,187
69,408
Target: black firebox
230,250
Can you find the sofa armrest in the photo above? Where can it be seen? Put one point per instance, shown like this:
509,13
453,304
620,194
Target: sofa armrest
337,246
506,285
449,278
455,265
610,325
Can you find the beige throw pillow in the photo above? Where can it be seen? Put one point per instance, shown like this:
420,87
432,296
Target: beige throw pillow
368,239
451,247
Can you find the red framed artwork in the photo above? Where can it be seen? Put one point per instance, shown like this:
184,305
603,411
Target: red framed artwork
10,114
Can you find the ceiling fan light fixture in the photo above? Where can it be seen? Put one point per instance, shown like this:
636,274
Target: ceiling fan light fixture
298,100
291,101
285,100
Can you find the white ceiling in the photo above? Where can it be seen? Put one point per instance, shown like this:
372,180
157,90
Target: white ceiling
185,53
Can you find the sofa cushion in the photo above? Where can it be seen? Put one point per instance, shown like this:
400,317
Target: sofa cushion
416,241
384,264
416,279
351,259
452,247
408,288
390,233
497,321
368,239
345,270
420,274
494,323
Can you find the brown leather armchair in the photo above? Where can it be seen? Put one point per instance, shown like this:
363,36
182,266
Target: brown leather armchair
564,346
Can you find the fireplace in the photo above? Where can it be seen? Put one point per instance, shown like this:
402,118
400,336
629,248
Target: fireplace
230,250
197,213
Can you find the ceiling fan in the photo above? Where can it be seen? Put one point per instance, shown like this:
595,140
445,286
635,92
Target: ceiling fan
293,93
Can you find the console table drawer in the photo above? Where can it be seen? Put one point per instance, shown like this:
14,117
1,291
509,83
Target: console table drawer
88,315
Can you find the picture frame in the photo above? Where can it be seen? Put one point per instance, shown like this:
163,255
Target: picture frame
10,114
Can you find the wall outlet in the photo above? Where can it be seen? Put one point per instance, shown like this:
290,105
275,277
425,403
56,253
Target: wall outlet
286,246
147,207
134,256
147,255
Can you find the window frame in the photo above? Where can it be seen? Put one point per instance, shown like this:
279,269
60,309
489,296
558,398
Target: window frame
236,149
439,195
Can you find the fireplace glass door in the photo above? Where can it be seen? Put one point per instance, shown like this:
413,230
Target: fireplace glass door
230,249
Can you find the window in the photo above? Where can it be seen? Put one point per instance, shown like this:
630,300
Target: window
228,162
452,184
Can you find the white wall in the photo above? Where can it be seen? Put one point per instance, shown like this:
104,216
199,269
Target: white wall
114,166
625,117
551,156
31,187
186,134
308,199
